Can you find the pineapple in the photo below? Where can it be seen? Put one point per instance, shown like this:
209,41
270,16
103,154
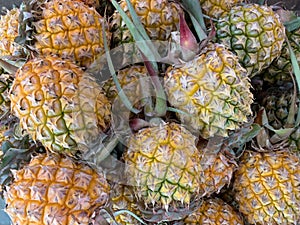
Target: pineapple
122,198
162,164
280,69
212,90
213,211
67,28
255,33
159,18
129,79
9,25
59,104
54,189
266,187
217,8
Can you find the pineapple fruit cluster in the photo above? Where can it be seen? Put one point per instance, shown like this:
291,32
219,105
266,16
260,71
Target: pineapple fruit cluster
206,134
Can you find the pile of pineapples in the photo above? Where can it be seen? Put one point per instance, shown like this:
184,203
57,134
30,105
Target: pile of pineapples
149,112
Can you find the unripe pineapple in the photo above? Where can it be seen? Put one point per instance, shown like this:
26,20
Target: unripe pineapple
67,28
212,89
281,107
253,32
267,187
9,25
59,104
54,189
162,164
280,69
214,212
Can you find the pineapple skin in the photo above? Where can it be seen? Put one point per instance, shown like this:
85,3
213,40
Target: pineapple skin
71,30
214,211
59,104
254,33
213,90
267,187
54,189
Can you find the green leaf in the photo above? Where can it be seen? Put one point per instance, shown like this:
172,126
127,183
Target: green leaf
296,71
122,95
293,24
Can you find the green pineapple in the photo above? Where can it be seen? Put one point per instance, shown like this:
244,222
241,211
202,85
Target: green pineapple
254,33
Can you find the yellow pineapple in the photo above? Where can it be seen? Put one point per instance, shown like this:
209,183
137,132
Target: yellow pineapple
212,90
122,198
54,189
213,212
70,29
59,104
267,187
129,79
159,18
217,8
9,25
162,164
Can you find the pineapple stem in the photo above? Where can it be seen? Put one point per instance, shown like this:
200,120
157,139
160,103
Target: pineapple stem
161,103
122,95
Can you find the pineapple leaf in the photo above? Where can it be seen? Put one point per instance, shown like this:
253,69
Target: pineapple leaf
296,70
136,21
293,24
122,211
113,73
195,12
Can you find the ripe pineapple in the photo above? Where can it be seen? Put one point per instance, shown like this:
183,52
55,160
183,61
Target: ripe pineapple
8,32
253,32
212,89
159,18
67,28
267,187
213,211
162,164
217,8
54,189
59,104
